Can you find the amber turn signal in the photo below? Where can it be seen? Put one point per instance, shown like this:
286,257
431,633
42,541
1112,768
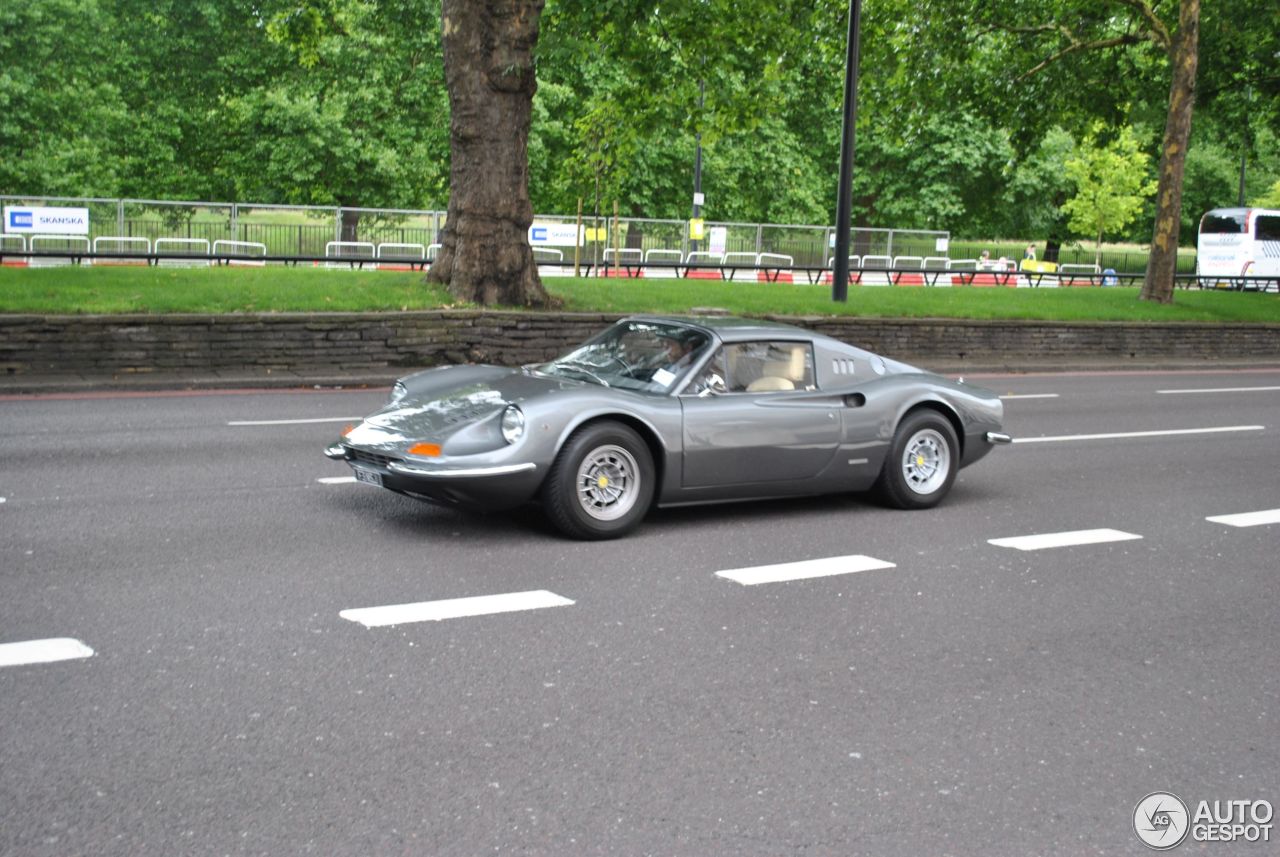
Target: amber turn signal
427,449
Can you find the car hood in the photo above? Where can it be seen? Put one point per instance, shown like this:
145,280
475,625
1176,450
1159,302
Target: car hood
440,403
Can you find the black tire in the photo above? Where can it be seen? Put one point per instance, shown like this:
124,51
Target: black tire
601,484
922,462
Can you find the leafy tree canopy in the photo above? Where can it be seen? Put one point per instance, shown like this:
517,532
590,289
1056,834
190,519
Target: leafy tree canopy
1111,185
963,125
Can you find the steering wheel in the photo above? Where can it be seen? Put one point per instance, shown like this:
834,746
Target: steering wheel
617,364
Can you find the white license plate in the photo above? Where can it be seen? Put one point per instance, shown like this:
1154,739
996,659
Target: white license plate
369,477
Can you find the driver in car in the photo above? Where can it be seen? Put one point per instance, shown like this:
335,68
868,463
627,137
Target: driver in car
679,351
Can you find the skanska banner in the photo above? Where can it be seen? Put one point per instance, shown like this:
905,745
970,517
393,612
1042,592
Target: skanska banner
46,221
555,235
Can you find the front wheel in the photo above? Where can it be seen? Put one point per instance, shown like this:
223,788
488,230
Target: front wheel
601,483
922,462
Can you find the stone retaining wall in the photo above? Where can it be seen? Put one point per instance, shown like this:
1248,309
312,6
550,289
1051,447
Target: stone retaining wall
352,342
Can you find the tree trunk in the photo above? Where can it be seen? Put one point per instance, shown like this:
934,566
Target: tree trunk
1052,246
1163,262
489,72
350,230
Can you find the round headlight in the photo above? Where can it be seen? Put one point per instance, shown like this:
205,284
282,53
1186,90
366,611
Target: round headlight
512,424
398,392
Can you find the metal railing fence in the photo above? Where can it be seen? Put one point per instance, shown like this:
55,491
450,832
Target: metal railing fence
297,230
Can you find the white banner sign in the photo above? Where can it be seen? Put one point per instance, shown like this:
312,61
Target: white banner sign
555,235
719,239
46,221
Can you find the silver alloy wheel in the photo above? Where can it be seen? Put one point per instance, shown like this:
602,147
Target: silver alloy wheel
926,461
608,482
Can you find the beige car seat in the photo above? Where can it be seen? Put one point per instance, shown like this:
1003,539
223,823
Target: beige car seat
781,374
770,384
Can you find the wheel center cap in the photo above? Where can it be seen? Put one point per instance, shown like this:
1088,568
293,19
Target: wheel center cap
602,482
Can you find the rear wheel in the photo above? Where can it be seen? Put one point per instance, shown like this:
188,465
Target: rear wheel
601,483
922,462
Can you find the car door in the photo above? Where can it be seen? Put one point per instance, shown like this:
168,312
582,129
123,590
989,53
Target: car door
754,416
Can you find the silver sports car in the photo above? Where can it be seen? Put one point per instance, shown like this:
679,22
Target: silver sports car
673,411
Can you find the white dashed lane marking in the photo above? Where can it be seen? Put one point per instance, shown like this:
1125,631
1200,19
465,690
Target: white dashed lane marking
1062,540
336,480
804,570
42,651
1248,519
454,608
1030,396
1133,434
294,422
1219,390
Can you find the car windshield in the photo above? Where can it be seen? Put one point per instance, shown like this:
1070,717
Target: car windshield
1222,224
644,356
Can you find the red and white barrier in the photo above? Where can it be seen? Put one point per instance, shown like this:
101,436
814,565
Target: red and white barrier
702,257
16,244
194,246
241,248
401,257
661,264
775,268
119,244
75,244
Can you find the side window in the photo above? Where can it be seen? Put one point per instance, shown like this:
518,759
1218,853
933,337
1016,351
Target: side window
1268,227
769,366
711,380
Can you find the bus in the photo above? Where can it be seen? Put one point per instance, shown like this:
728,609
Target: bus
1239,248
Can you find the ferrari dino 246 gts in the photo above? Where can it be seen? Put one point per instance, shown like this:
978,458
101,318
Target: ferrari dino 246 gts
673,411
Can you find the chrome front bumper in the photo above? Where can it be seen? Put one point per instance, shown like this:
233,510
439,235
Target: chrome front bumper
995,437
460,472
339,453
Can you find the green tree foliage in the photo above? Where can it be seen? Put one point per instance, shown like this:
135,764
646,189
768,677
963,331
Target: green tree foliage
63,127
181,60
343,102
359,118
1112,181
946,174
1270,199
1238,90
1037,187
639,105
1211,180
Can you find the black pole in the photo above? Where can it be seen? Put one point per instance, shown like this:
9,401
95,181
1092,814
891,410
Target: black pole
1244,153
697,160
844,195
1244,143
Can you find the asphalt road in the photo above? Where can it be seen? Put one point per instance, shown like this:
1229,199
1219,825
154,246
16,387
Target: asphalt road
969,698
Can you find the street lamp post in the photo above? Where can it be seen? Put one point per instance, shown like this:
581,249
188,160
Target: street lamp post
697,159
844,194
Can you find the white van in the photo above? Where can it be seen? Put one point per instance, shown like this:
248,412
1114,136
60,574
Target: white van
1236,245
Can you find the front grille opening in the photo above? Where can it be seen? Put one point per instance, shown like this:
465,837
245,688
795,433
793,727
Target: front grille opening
362,457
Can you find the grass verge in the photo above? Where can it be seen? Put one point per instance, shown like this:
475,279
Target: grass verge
59,291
